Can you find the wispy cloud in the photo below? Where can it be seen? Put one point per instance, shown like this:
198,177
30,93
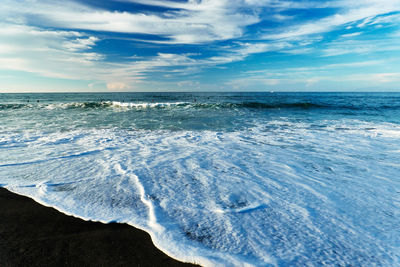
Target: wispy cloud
375,78
67,55
193,22
56,54
362,73
351,34
349,12
361,46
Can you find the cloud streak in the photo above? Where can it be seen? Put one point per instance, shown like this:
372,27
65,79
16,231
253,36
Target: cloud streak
193,23
349,12
67,55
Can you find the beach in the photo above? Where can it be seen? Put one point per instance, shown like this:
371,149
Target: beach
34,235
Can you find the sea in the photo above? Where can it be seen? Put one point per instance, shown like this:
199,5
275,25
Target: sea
218,179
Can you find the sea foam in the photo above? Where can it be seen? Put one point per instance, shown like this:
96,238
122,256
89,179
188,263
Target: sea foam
295,195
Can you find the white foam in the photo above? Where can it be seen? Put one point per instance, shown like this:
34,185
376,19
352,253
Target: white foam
152,221
112,104
145,105
294,195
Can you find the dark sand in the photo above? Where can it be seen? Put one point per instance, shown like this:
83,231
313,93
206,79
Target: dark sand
34,235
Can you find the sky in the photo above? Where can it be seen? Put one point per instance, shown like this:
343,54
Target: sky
194,45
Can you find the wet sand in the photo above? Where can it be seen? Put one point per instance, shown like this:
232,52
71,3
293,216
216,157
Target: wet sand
34,235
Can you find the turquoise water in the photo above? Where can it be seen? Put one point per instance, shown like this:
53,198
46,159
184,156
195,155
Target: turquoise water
218,178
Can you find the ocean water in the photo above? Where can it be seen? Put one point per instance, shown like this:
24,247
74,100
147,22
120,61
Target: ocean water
227,179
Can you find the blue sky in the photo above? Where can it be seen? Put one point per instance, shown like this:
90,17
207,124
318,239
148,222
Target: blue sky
211,45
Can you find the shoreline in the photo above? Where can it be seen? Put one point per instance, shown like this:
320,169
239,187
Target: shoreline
35,235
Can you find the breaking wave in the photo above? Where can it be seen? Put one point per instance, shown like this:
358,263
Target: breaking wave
192,105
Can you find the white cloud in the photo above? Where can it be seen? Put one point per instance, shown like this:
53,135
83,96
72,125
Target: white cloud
364,46
376,78
351,11
390,19
68,55
118,86
310,72
81,43
194,22
360,73
56,54
365,22
191,22
351,34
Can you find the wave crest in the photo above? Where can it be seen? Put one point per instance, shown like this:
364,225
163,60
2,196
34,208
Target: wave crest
254,105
